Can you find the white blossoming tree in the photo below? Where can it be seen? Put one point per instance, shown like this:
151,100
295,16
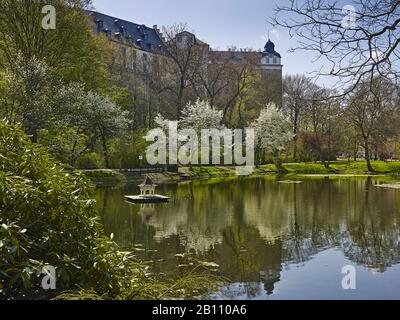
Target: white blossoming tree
272,132
200,115
162,123
197,116
86,118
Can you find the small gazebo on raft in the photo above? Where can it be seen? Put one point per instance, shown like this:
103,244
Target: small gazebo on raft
147,187
147,193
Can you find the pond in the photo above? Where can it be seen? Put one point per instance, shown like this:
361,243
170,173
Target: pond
271,240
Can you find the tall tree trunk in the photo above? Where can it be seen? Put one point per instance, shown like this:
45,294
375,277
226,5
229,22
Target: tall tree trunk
368,155
180,98
295,133
31,130
278,161
295,146
149,114
105,151
355,152
329,148
74,157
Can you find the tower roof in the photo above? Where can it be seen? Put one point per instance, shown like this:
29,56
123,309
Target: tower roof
269,48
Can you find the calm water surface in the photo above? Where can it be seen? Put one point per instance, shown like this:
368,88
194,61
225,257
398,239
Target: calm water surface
272,240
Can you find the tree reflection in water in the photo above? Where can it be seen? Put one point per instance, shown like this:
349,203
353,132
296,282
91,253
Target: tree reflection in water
254,227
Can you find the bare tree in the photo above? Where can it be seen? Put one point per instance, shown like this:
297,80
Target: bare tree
239,73
188,55
322,115
296,98
358,41
216,79
369,111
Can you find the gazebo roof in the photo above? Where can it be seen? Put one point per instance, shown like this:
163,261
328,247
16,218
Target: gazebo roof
147,183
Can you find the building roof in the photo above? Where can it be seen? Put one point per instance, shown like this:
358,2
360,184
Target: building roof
197,41
147,182
146,38
269,48
150,39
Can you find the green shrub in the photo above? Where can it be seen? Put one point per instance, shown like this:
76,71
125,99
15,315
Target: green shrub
104,177
89,161
47,217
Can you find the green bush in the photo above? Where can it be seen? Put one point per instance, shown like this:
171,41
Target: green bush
89,161
124,152
47,217
104,177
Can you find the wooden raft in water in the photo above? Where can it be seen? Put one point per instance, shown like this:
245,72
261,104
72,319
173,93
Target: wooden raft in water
154,198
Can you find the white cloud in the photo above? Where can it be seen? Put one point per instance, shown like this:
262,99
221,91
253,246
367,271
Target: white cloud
274,34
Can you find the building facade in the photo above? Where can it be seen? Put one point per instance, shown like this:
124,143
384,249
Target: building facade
137,44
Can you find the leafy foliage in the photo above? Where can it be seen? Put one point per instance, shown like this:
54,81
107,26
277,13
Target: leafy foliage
85,117
272,131
30,94
47,217
72,51
200,115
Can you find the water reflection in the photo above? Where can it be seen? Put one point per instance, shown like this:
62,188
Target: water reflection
255,229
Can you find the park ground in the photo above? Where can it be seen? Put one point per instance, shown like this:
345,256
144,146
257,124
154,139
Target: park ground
339,168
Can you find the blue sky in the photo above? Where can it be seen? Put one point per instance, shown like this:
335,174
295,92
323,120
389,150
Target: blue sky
221,23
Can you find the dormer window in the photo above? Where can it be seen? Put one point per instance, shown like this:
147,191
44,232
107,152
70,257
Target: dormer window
107,32
100,25
122,30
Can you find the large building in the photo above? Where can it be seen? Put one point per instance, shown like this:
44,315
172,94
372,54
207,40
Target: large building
267,61
137,35
139,42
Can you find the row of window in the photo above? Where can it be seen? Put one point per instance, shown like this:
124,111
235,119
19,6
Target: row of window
271,60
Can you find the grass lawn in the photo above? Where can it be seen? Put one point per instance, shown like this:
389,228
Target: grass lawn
337,167
391,169
104,176
361,167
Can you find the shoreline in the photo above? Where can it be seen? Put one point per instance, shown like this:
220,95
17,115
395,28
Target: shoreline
110,177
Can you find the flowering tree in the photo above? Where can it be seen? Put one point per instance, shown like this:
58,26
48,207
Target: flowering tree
87,118
200,115
272,133
195,116
28,94
162,123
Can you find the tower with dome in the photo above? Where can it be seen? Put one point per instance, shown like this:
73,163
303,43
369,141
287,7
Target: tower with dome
271,60
272,71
